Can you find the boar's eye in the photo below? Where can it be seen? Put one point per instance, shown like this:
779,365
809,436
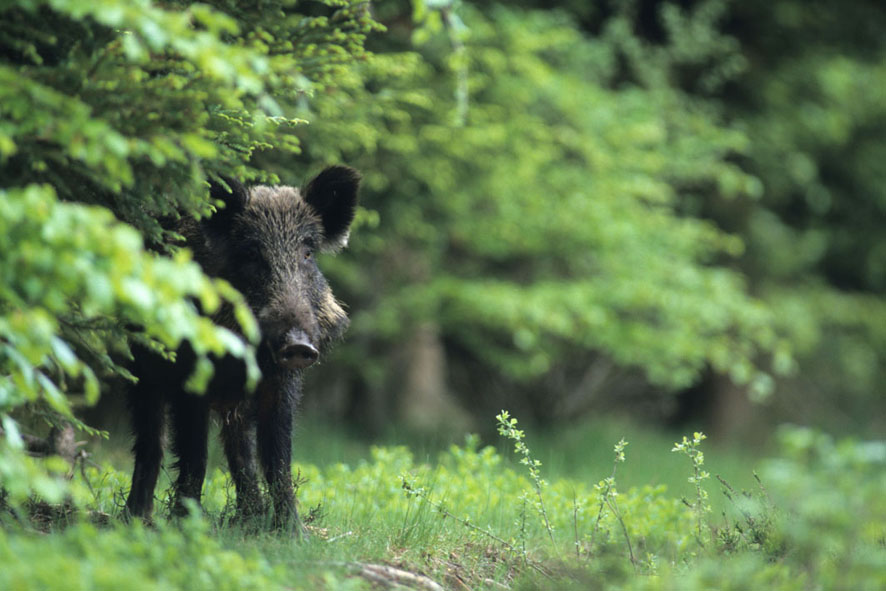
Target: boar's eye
308,248
252,252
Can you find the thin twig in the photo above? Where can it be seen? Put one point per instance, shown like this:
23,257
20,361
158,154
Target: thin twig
575,525
614,507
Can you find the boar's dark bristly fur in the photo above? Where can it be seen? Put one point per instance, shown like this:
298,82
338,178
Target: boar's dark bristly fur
262,242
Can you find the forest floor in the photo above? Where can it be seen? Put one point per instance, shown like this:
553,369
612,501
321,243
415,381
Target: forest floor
571,509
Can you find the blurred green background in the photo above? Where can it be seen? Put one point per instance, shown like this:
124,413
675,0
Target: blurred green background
667,210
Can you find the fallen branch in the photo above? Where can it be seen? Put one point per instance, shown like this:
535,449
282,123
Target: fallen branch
390,576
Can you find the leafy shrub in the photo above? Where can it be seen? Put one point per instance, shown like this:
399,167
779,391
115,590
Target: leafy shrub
113,115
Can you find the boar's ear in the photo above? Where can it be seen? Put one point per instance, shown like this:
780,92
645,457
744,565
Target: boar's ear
234,197
333,194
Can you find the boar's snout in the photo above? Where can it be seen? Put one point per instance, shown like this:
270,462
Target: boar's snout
290,330
295,350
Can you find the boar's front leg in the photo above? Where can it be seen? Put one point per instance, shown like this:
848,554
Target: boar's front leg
238,438
190,431
276,404
147,411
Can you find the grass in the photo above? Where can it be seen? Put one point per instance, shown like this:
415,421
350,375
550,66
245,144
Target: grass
469,516
580,451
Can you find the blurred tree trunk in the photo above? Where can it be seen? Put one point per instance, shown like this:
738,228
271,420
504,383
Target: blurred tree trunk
718,407
425,401
732,415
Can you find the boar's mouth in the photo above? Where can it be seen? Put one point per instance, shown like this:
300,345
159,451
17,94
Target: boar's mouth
294,350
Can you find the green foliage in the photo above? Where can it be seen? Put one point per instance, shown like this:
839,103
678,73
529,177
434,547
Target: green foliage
801,84
818,523
507,428
833,514
607,491
817,245
112,115
691,449
180,556
551,222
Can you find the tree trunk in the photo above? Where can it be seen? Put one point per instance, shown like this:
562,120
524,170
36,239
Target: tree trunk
425,401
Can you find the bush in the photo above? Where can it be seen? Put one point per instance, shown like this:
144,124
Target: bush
114,114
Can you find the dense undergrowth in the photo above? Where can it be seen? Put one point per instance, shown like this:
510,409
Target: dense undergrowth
479,519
